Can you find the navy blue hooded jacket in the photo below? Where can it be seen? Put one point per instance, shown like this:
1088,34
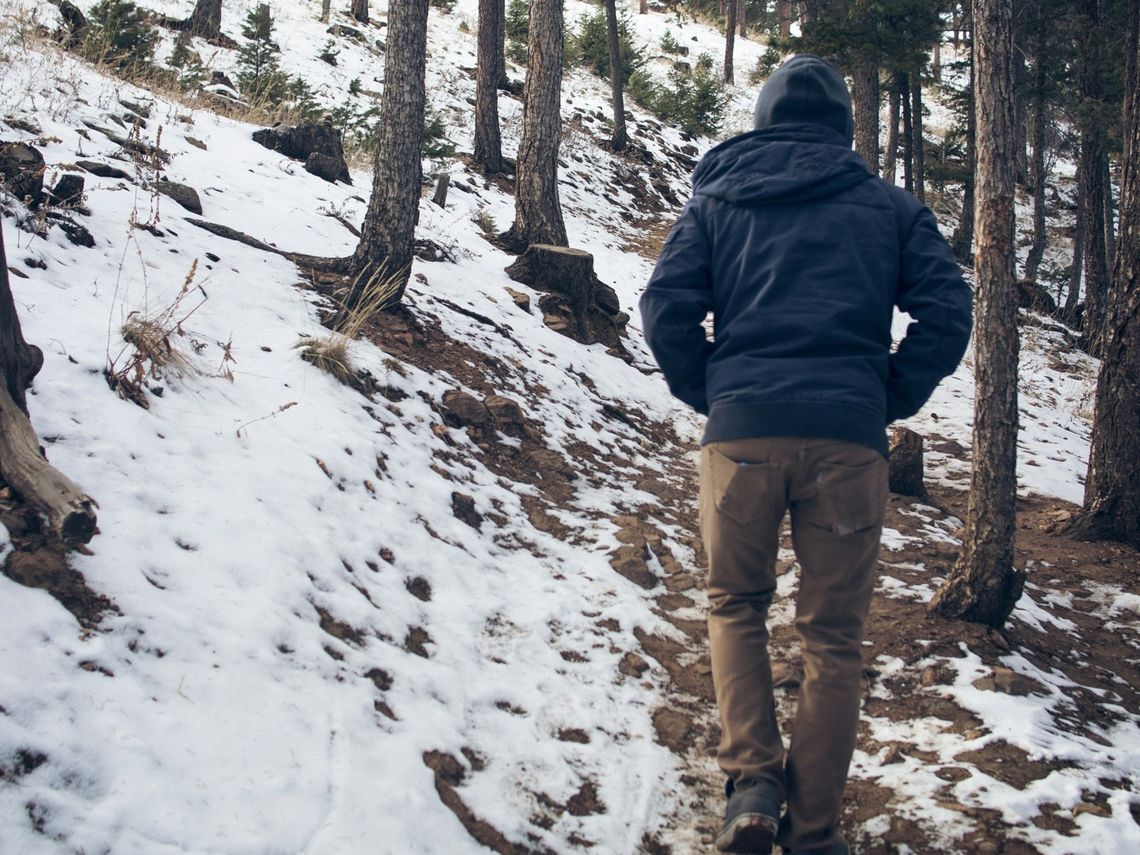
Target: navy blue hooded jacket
801,254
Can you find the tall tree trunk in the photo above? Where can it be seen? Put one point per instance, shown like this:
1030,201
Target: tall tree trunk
984,585
326,9
1073,296
891,156
538,211
729,43
963,240
1038,174
19,361
1091,168
784,14
742,19
865,104
1109,218
617,77
1020,120
907,133
936,60
206,19
1112,487
360,10
918,148
488,143
387,235
643,7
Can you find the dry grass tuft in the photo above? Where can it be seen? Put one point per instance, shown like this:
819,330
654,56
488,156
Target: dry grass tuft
330,352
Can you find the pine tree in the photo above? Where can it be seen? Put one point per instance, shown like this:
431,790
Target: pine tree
617,77
260,78
984,586
538,210
488,142
387,237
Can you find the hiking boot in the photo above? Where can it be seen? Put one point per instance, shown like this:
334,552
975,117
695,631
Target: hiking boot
751,819
838,847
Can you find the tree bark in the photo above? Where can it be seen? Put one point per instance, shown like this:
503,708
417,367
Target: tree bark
1109,218
784,14
326,8
643,7
388,232
70,513
617,77
1073,296
963,239
1091,169
865,105
360,10
907,133
1112,487
488,142
729,42
742,19
206,19
538,210
918,147
984,586
890,158
1038,174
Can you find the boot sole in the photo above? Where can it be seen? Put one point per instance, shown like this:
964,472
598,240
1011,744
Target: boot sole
751,833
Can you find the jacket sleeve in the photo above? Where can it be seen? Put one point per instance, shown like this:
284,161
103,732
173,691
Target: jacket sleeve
674,307
932,291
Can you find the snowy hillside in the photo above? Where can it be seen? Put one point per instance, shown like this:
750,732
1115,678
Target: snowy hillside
398,619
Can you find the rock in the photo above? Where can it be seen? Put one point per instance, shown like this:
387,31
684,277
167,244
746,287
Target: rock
346,32
76,233
607,298
27,124
1032,296
630,562
22,171
220,78
305,140
74,24
507,414
894,755
197,143
1092,809
68,190
1008,682
324,166
141,110
906,463
103,170
520,299
633,665
461,409
785,676
463,506
183,194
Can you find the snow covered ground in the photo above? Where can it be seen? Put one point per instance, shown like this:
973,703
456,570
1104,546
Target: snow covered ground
304,626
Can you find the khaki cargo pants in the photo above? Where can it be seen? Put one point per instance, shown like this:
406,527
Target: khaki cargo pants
836,492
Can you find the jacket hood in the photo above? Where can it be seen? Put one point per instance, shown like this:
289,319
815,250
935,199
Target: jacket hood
784,163
806,89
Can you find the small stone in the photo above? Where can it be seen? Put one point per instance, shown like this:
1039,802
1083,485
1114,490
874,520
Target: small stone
461,409
463,506
633,665
68,190
630,562
504,411
22,170
929,676
893,756
103,170
520,299
1008,682
197,143
183,194
784,676
906,463
1092,809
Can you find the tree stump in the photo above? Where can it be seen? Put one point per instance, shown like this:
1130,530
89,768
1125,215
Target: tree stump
907,463
580,306
441,185
70,512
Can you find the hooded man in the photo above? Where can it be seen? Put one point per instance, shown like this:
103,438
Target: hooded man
801,254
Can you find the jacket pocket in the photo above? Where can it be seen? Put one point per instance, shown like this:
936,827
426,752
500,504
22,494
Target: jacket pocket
854,497
742,491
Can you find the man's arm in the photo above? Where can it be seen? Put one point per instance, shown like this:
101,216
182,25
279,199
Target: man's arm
932,291
674,306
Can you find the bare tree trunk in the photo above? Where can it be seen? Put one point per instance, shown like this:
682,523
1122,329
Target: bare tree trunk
742,19
643,7
1020,120
907,132
918,148
936,62
963,240
784,14
1112,487
984,586
1038,174
890,158
865,104
1073,296
729,43
488,143
360,10
617,77
1109,218
1091,169
538,210
206,19
326,9
387,235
